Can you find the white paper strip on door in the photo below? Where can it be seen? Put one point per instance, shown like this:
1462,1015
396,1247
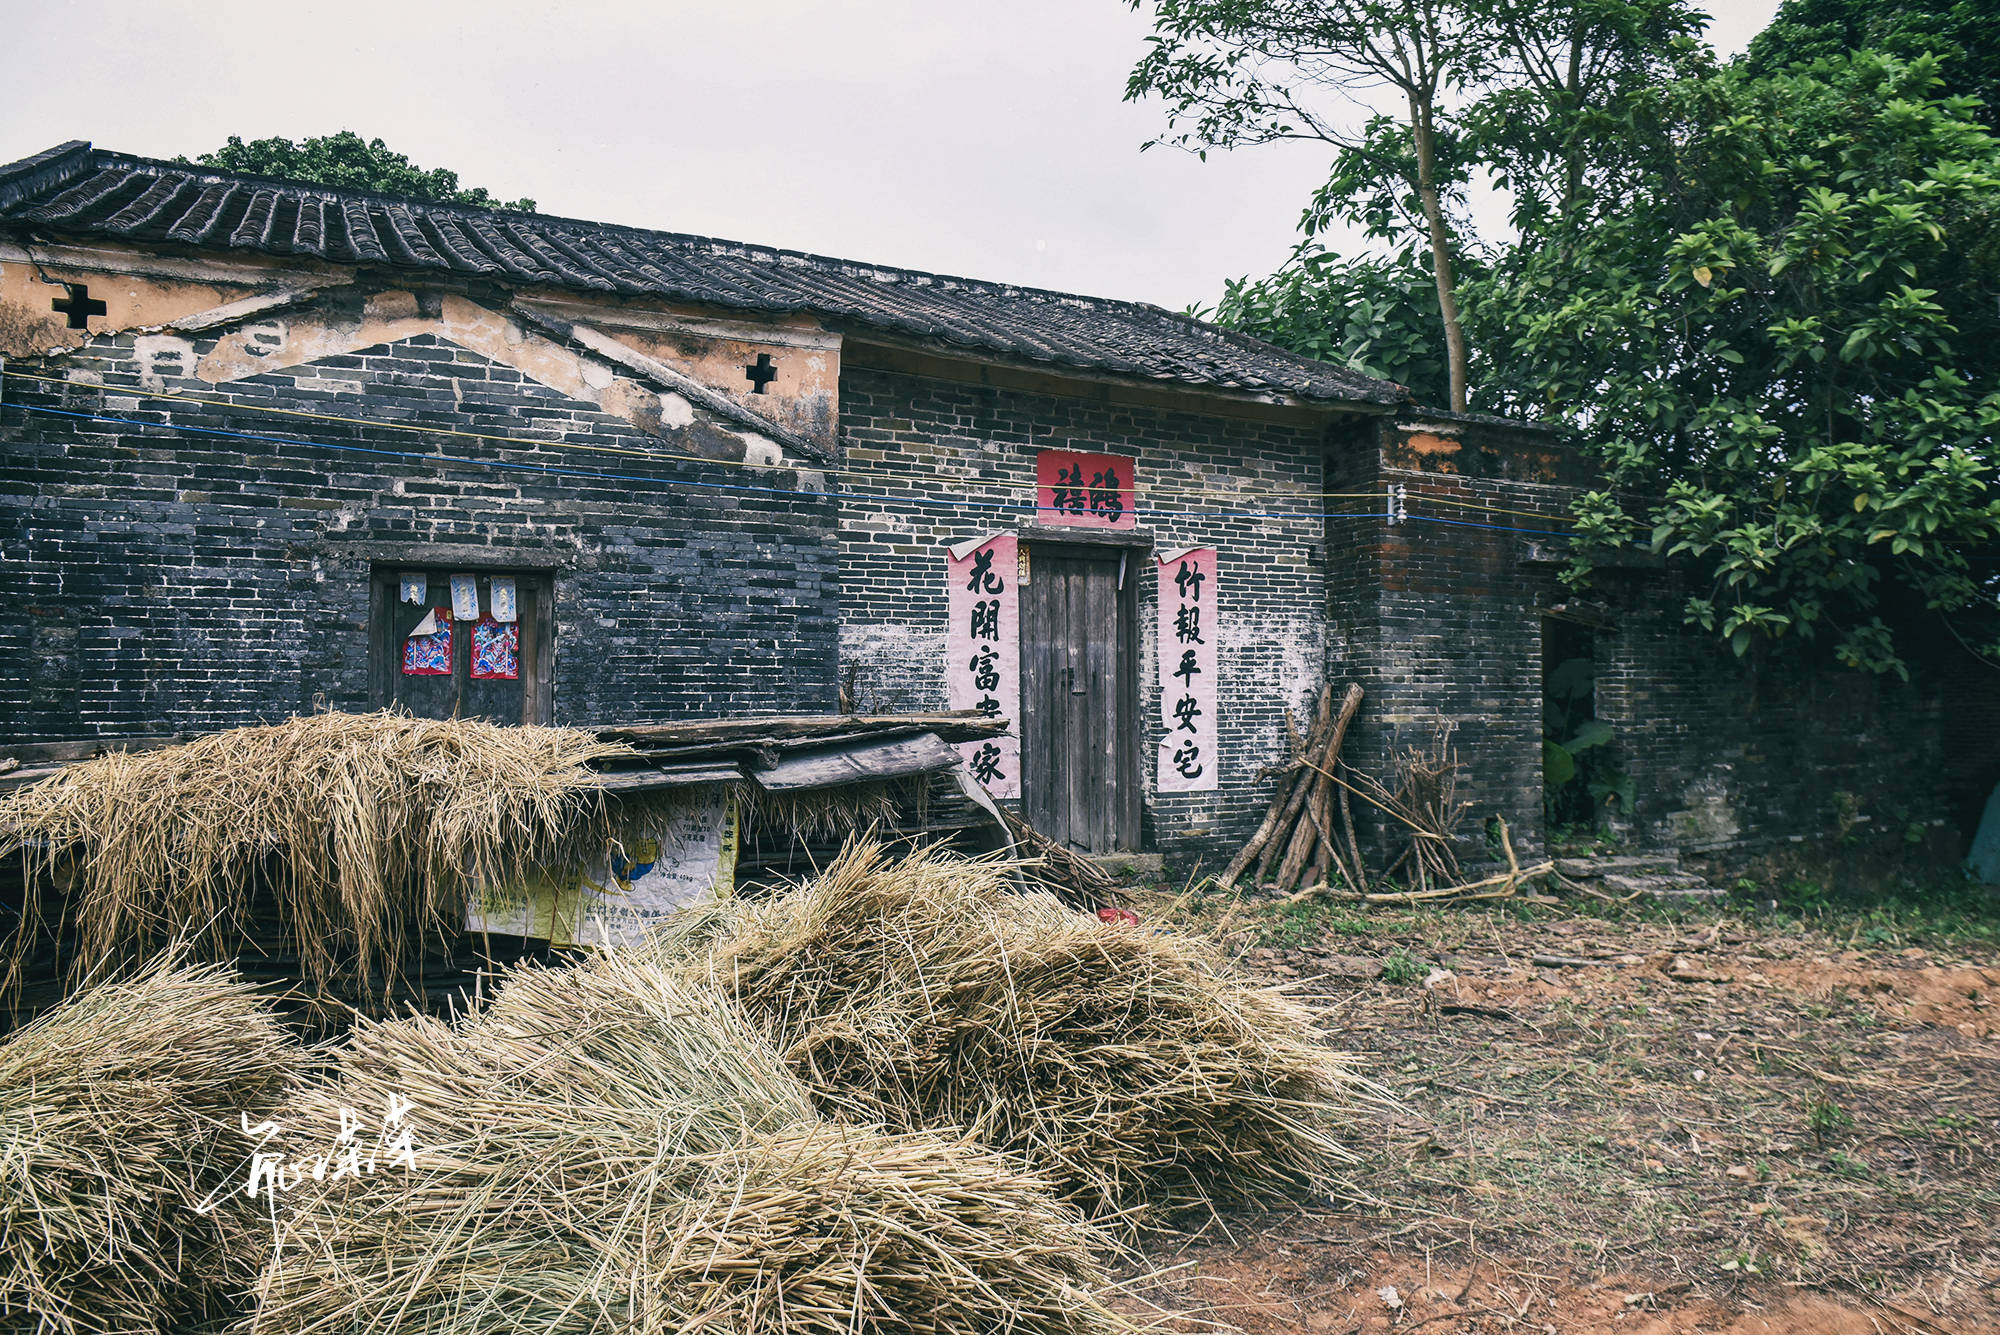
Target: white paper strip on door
983,652
1188,641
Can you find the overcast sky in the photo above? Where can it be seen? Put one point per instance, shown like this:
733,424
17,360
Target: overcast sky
976,137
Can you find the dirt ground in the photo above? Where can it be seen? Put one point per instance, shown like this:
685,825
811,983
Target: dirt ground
1693,1123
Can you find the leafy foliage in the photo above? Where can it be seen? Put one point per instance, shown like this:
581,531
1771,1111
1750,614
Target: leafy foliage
1237,72
348,161
1789,341
1538,93
1378,317
1963,34
1766,295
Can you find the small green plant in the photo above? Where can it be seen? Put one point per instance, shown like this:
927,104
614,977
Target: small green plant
1848,1166
1803,896
1847,819
1401,969
1740,1262
1827,1118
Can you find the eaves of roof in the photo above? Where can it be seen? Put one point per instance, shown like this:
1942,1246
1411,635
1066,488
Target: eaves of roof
76,190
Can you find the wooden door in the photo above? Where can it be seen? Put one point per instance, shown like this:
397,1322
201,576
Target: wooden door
1079,698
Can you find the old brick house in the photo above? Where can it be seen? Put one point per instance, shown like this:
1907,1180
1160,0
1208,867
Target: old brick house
252,430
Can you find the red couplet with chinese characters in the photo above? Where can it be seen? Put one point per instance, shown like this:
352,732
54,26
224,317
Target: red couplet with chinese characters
1188,662
983,652
1088,490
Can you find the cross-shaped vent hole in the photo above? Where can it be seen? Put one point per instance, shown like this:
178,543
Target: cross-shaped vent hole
79,306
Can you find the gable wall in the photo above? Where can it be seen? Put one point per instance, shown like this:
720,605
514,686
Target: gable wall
163,581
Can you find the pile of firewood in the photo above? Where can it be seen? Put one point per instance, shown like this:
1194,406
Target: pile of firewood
1298,843
1300,850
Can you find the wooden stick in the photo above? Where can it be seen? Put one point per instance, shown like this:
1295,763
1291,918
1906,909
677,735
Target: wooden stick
1318,804
1471,890
1280,840
1358,867
1282,798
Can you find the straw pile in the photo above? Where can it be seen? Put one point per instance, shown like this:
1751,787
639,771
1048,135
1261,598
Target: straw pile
610,1148
370,828
1131,1068
119,1116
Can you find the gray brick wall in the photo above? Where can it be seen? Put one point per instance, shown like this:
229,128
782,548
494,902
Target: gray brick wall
1444,620
951,460
157,579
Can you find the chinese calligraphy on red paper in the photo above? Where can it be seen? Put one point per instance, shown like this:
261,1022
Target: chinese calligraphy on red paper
1090,490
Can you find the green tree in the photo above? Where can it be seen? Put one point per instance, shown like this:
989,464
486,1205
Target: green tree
1786,349
1376,316
347,160
1239,72
1544,94
1963,34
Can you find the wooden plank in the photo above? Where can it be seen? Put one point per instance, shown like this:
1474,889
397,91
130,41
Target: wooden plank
956,726
670,776
859,762
1098,738
534,600
64,753
854,735
1074,740
28,774
1131,783
1038,676
1139,539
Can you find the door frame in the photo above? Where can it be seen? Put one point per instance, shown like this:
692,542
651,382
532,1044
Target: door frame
1134,547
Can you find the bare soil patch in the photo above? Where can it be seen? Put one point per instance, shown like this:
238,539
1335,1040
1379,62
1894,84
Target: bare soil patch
1702,1124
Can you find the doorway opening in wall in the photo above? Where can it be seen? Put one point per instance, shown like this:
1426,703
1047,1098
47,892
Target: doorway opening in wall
453,643
1573,738
1080,724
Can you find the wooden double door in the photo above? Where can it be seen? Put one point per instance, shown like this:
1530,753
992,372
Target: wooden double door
1080,724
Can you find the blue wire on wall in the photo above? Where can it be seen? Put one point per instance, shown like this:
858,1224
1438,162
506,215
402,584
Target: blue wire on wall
793,493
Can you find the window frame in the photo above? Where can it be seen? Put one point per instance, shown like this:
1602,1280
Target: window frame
535,615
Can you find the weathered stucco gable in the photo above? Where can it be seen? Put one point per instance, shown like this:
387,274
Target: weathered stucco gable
167,574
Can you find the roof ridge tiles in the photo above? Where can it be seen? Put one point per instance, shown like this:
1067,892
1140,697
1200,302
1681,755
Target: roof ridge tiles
75,187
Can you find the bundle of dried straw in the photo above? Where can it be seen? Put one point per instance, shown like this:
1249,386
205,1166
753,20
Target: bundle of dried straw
610,1148
120,1119
369,828
1134,1069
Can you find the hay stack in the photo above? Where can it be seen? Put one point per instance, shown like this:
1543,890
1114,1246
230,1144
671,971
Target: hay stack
610,1148
1131,1068
119,1116
369,827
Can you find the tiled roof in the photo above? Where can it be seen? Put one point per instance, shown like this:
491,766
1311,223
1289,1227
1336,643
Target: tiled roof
75,190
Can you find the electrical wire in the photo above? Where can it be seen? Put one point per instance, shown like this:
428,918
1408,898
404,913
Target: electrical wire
553,470
876,475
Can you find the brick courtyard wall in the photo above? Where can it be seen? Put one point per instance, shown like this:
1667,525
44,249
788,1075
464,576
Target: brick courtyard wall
1734,759
953,460
159,580
1732,756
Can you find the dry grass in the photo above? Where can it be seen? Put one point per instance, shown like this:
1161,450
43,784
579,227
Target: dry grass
1133,1068
610,1148
119,1116
370,828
